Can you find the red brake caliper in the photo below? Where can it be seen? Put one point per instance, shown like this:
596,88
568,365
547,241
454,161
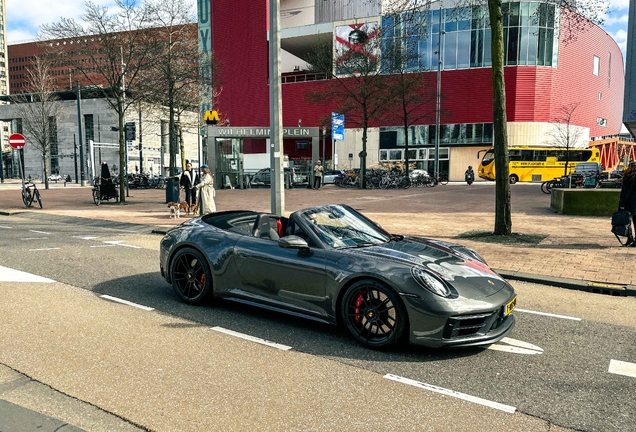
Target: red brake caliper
357,304
202,282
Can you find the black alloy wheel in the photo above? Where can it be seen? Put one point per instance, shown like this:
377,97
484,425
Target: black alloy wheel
38,197
373,314
97,196
27,199
191,276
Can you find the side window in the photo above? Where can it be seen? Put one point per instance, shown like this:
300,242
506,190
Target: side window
597,66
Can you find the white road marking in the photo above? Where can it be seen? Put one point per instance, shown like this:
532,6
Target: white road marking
548,314
6,227
43,249
85,237
126,302
35,238
622,368
453,393
11,275
120,243
516,347
252,338
103,246
40,232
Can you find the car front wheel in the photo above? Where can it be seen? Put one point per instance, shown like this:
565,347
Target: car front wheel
191,276
373,314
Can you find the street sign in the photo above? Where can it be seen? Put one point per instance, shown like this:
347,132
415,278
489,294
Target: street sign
17,141
337,126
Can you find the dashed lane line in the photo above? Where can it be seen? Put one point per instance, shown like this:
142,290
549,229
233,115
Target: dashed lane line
11,275
252,338
5,227
452,393
35,238
622,368
40,232
44,249
126,302
548,314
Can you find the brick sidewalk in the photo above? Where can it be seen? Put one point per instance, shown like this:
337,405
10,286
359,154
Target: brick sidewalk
577,248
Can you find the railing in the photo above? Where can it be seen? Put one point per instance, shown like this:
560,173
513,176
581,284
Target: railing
296,77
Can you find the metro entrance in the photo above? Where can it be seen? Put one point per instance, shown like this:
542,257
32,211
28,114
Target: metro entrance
226,151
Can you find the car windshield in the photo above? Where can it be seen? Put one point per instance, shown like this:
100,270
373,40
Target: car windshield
342,227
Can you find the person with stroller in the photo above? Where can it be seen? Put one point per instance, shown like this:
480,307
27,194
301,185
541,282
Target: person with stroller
627,199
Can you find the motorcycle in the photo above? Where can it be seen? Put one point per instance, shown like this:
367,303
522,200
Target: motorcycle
469,177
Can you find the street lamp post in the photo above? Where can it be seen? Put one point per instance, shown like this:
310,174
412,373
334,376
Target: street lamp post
79,126
438,94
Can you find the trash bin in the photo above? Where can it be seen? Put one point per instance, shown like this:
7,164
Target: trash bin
172,189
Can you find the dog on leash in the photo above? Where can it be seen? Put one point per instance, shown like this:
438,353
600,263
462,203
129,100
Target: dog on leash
184,207
175,210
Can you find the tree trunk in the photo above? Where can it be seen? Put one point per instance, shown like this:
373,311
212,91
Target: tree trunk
122,155
181,143
503,220
363,155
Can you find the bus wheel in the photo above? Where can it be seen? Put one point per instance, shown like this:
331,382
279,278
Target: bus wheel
513,178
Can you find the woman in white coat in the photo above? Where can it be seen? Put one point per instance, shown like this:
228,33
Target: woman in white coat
206,191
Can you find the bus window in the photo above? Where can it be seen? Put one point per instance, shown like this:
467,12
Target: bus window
586,155
540,155
514,155
527,155
488,157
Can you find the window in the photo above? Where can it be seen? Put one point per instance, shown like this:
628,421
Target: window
395,155
597,65
601,122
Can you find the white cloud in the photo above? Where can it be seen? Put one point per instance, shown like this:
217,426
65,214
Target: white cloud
616,19
618,4
24,20
620,36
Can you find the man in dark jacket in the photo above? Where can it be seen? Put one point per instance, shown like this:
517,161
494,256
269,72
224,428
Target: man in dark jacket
627,200
189,180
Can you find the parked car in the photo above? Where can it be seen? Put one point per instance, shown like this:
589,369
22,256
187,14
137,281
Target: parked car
332,264
329,176
56,178
263,176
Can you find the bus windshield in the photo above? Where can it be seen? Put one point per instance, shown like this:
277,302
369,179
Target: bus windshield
488,157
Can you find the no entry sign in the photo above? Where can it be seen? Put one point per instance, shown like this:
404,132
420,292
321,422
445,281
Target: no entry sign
17,141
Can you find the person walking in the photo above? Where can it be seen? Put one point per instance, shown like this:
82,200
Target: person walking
189,180
206,191
317,175
627,199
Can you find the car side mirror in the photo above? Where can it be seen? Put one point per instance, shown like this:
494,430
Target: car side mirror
292,242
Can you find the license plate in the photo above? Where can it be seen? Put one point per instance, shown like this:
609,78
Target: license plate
510,306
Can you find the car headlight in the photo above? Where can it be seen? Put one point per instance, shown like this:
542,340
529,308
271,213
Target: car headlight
430,282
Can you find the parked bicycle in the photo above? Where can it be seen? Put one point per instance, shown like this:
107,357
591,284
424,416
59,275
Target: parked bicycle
30,193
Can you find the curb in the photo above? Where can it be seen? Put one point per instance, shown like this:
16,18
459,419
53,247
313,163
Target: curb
573,284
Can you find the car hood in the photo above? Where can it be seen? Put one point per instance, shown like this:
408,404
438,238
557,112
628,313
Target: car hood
458,265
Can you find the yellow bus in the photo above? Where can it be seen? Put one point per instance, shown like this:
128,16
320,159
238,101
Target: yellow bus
537,164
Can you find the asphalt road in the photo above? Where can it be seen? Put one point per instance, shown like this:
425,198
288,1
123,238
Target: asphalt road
552,370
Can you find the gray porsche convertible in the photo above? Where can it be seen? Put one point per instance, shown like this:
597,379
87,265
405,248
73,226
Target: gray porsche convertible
332,264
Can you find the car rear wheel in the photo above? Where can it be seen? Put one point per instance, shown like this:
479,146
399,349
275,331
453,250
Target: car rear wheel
514,178
191,276
373,314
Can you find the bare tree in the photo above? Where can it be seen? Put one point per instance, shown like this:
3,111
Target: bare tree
172,78
38,109
359,89
564,134
111,51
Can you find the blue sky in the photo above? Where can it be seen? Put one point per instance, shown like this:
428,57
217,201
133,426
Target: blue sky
23,22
